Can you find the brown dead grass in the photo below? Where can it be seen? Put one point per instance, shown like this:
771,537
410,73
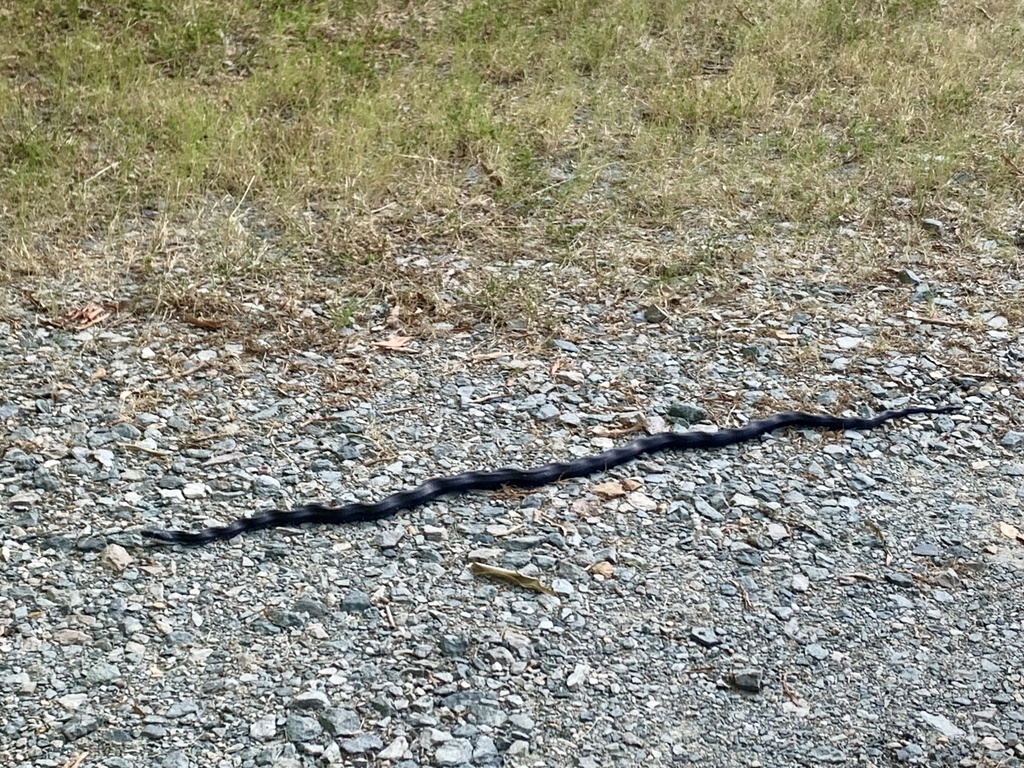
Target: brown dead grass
258,163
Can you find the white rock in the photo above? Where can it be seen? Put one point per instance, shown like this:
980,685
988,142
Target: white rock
395,750
115,557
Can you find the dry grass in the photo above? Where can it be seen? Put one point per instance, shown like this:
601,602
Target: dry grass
455,159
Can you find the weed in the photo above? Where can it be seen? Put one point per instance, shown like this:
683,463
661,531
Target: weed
356,133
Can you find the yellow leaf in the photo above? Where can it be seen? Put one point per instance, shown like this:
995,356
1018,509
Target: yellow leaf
512,577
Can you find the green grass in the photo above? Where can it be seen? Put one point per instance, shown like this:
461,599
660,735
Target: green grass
215,144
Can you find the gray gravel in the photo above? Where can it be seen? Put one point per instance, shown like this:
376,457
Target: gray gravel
804,600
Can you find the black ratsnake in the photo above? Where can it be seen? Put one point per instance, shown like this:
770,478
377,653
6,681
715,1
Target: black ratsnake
529,478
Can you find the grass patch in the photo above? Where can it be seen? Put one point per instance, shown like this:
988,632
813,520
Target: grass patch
190,147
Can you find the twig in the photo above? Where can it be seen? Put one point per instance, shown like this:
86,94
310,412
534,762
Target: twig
99,173
1016,168
983,12
486,399
489,356
934,320
144,449
692,670
244,195
76,761
979,375
739,12
179,374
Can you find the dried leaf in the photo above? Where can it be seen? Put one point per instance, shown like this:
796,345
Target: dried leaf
394,342
85,316
208,323
603,568
613,489
512,577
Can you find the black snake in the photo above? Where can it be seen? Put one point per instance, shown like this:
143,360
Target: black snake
529,478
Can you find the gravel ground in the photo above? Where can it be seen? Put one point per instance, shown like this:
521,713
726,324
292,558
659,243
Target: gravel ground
806,599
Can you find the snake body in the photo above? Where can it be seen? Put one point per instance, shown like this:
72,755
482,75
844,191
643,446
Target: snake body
545,474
